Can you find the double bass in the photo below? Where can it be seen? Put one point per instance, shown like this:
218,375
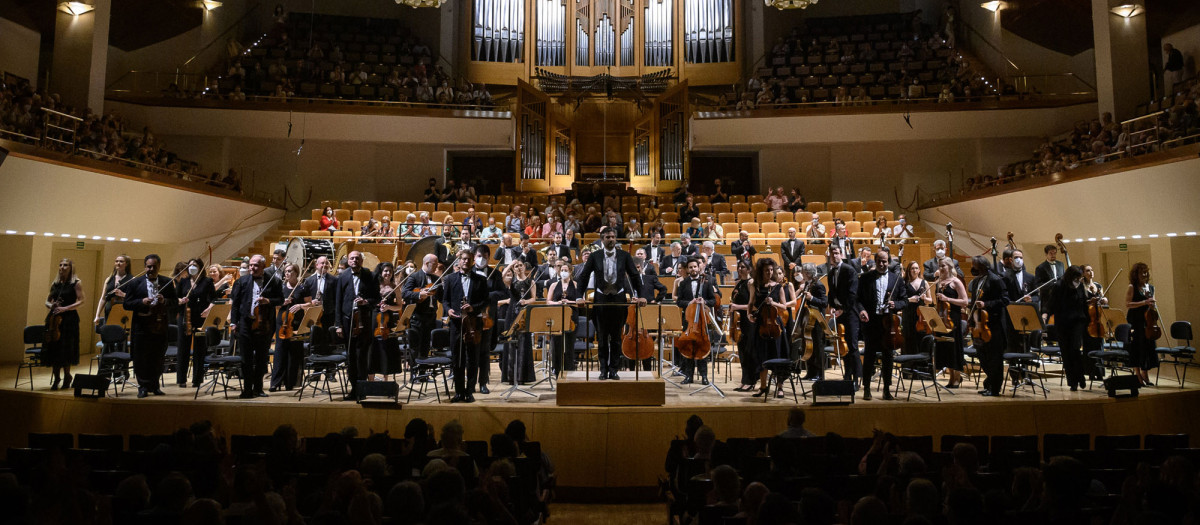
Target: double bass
636,345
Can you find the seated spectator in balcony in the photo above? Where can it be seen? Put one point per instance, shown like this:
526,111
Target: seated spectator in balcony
370,229
881,228
481,96
393,80
337,77
315,53
236,72
237,94
433,193
277,70
450,192
445,93
328,221
765,98
916,90
572,222
718,194
592,222
427,228
466,193
634,231
868,55
841,97
336,55
385,227
694,230
946,95
902,230
689,210
551,227
776,201
755,84
781,48
515,222
410,230
424,93
796,200
714,232
533,226
490,233
358,77
887,79
832,48
472,223
746,103
815,230
280,94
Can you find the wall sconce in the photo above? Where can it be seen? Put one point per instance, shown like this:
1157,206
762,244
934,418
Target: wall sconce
994,5
1128,10
210,5
75,8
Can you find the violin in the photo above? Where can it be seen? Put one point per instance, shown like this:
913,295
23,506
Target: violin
471,330
1153,328
636,345
694,343
158,310
804,316
891,321
768,318
978,318
53,324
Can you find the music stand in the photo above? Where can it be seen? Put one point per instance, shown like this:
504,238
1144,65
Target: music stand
942,331
1025,320
550,321
312,317
518,351
218,317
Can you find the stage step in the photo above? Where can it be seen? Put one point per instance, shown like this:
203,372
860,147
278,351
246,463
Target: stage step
576,390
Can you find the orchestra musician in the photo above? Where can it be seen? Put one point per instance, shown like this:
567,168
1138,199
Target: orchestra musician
496,292
616,277
932,265
464,241
417,291
507,253
385,351
989,292
253,302
562,291
528,254
289,353
841,239
686,249
547,273
1139,297
764,290
843,304
655,251
791,251
222,285
1070,310
1091,344
465,295
912,293
714,263
816,297
652,289
316,288
1047,271
66,295
742,248
558,247
114,289
865,262
1020,288
877,300
277,260
695,288
669,264
357,293
952,293
197,293
786,349
739,305
520,284
147,299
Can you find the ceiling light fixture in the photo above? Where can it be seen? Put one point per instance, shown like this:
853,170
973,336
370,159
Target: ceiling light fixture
1106,238
1172,234
30,233
1190,234
1137,236
1128,10
48,234
209,5
422,3
75,8
789,4
1153,236
994,5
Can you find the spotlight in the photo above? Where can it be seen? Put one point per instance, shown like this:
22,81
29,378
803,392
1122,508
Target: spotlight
994,5
1128,10
75,8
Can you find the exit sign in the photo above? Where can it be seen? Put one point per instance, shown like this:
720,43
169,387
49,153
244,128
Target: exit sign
78,245
1124,247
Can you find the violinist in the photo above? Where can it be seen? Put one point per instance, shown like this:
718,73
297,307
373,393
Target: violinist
466,295
1095,293
357,295
786,349
1139,298
695,288
418,291
951,298
616,276
496,291
317,288
61,349
739,304
385,351
564,291
1047,271
1020,287
814,295
520,285
253,302
714,263
990,294
147,298
196,294
289,353
914,292
1069,309
763,292
876,302
222,284
843,301
114,289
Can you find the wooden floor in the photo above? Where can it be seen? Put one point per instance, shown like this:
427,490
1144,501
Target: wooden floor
619,448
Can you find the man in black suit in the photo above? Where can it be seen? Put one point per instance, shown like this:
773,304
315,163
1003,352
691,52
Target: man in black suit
790,251
1020,290
318,291
277,260
670,263
988,291
496,292
255,296
816,297
1050,269
148,298
652,289
714,263
931,266
655,251
507,253
616,276
559,248
843,302
356,289
423,321
546,274
742,249
875,302
464,241
842,240
865,262
528,254
687,248
465,296
694,289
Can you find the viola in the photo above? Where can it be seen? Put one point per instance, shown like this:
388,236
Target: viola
471,327
636,345
383,323
53,324
768,318
979,326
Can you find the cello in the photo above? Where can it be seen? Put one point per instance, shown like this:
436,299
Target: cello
694,343
636,344
1096,325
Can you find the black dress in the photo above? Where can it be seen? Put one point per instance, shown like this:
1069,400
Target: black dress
741,296
64,351
1141,350
765,348
563,345
517,291
949,354
909,316
110,299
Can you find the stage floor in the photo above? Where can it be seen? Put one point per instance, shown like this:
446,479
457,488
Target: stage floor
620,447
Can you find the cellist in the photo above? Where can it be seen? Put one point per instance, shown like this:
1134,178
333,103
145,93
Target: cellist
697,290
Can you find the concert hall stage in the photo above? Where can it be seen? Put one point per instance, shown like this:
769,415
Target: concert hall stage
616,448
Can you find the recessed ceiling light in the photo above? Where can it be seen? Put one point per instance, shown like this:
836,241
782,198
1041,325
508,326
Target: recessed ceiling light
75,8
1079,240
65,235
95,237
124,239
1128,10
10,232
1091,239
1120,237
81,236
48,234
30,233
1172,234
1137,236
110,238
137,240
994,5
1153,235
1190,234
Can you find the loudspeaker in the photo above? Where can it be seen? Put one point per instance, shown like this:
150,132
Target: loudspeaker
97,386
386,389
1129,383
839,389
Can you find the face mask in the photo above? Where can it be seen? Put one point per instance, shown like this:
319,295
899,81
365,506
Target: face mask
243,272
479,261
193,270
564,276
902,222
940,252
1019,262
975,272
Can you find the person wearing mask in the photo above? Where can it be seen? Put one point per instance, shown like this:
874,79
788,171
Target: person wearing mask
357,294
418,290
1070,323
465,295
815,230
564,291
197,293
147,299
939,253
988,292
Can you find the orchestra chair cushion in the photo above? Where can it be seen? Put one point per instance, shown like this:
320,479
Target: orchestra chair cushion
316,214
427,207
388,206
439,216
853,226
814,207
369,205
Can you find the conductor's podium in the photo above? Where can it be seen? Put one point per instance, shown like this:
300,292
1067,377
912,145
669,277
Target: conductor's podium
574,389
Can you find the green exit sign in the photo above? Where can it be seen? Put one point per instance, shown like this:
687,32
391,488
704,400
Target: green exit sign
1124,247
78,245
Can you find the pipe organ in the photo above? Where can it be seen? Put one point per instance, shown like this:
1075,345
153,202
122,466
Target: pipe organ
552,33
658,50
708,31
499,30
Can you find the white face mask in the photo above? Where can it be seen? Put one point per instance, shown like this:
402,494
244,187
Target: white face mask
1019,262
940,252
193,270
564,276
479,261
243,272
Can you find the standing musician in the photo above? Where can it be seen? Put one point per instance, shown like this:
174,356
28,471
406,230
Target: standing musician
764,291
114,289
417,291
197,294
222,284
865,262
559,247
814,296
528,254
496,292
66,294
1020,285
507,253
841,239
254,299
1070,323
1049,270
385,351
989,293
815,231
147,299
1139,297
1090,344
914,292
932,265
616,276
791,251
655,251
843,304
669,264
786,348
547,273
466,295
277,260
317,288
695,288
357,293
564,291
714,263
464,241
951,299
521,294
652,289
289,353
739,304
876,300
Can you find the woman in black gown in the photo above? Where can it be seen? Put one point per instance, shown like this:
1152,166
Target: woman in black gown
1069,307
764,291
1092,344
951,299
740,306
195,294
114,290
564,291
289,353
1139,297
914,292
61,348
520,293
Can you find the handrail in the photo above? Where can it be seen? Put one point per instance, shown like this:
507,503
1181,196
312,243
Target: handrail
993,46
494,108
235,24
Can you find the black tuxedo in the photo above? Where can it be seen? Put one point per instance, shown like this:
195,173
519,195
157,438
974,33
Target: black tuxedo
358,346
742,250
843,295
499,256
255,345
560,250
992,290
845,244
609,319
790,251
320,286
873,330
530,256
688,250
669,263
820,300
149,342
660,250
717,267
199,297
683,297
465,354
1018,288
1045,273
652,289
422,322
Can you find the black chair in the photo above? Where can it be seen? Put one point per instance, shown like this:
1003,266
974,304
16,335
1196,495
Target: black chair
219,367
1164,441
1178,356
1109,443
777,370
324,361
33,337
1024,367
1113,356
171,356
919,366
106,442
50,441
1062,444
433,367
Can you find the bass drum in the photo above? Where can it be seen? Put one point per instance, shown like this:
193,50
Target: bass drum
301,252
